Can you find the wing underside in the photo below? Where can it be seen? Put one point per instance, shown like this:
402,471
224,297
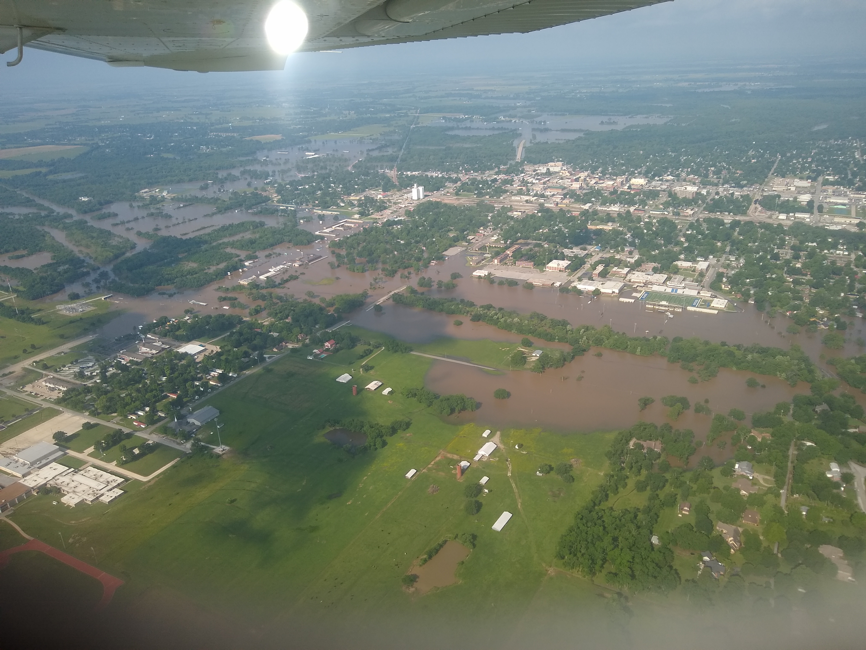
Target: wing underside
228,35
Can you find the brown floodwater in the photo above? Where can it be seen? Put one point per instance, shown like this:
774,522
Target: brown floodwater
442,569
601,393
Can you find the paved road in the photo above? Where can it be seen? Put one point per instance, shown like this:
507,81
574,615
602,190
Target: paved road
42,355
790,475
859,475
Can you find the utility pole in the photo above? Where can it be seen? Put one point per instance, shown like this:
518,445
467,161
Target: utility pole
61,540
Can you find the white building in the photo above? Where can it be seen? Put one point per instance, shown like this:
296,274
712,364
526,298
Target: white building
417,192
557,265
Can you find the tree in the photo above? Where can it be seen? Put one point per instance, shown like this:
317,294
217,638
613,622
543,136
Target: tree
737,414
545,468
596,292
526,342
834,340
59,436
643,402
706,463
472,507
751,382
409,579
774,532
562,469
458,322
517,359
501,393
472,490
377,308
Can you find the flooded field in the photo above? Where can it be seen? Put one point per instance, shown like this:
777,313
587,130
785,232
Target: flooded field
442,569
601,393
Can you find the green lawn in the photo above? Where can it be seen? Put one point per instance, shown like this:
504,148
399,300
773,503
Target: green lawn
486,353
86,438
9,537
113,454
29,422
154,460
12,408
22,340
71,461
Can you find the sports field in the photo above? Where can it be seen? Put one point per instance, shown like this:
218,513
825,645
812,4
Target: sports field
290,528
680,300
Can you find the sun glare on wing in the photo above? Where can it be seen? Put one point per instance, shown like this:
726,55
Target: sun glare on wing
286,27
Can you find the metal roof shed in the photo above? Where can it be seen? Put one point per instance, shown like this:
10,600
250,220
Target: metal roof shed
503,519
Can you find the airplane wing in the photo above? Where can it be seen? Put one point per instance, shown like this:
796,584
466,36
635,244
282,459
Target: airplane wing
229,35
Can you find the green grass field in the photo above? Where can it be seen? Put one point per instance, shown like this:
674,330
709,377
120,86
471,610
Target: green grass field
289,526
12,408
23,340
29,422
86,438
113,454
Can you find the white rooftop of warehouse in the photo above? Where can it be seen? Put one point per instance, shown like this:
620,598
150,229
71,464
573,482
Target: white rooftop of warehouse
344,378
191,348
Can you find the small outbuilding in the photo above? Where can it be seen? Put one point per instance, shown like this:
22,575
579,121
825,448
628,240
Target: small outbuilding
344,378
373,385
411,473
503,519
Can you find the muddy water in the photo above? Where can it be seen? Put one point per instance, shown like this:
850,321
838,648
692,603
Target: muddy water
441,570
601,393
30,262
344,438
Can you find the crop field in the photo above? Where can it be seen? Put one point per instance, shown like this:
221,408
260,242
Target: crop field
42,152
365,131
288,526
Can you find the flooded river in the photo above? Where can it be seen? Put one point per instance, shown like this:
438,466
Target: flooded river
601,393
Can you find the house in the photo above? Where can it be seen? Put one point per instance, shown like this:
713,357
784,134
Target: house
752,517
330,345
745,486
655,445
834,474
711,563
731,535
744,468
685,508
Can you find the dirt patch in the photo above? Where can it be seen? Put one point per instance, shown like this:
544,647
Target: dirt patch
441,570
433,489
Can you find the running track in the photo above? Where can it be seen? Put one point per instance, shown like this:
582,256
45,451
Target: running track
109,582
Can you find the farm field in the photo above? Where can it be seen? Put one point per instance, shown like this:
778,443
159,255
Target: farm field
298,529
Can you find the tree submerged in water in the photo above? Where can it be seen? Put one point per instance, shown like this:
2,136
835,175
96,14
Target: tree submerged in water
501,393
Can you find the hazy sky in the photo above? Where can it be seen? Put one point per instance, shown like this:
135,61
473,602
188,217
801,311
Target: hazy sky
682,31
